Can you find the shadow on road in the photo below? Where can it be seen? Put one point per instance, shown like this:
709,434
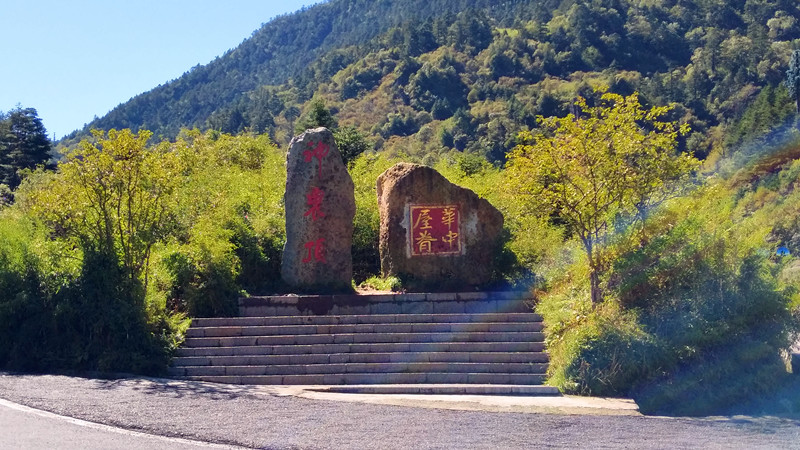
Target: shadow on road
181,389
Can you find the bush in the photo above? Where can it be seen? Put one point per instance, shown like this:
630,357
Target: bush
696,312
101,261
22,304
55,319
740,370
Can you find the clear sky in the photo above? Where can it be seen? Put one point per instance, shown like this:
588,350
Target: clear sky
74,60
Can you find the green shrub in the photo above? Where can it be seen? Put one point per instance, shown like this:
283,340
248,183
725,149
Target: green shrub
382,284
742,369
694,319
203,285
101,322
260,258
22,304
101,261
55,319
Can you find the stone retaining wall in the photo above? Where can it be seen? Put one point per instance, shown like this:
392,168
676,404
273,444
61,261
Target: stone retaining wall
431,303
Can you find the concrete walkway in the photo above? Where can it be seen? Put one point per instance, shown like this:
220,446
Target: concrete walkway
545,404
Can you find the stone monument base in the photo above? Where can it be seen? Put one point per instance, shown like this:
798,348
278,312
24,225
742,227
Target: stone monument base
431,303
457,343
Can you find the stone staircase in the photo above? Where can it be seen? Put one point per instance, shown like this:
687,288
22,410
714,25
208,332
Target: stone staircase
471,345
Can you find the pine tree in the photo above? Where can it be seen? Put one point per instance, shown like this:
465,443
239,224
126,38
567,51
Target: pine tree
793,78
23,144
318,116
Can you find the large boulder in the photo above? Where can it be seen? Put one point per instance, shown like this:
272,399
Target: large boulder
435,235
320,207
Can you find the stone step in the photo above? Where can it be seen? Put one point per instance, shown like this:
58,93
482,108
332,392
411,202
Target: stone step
397,347
348,368
356,338
364,319
375,358
377,378
393,328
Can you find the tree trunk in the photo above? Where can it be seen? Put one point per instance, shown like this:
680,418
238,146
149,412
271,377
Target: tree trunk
594,280
594,276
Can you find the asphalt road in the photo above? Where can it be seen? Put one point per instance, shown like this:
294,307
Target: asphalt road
26,428
259,418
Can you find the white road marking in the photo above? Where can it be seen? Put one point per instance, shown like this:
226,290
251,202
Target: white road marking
108,428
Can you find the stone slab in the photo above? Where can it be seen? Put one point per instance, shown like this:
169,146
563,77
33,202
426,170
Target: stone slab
434,234
320,206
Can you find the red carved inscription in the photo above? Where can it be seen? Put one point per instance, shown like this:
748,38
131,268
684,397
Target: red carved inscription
435,230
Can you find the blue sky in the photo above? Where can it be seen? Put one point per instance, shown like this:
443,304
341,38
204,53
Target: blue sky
73,60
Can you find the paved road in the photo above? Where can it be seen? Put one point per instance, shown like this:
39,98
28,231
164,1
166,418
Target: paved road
260,418
26,428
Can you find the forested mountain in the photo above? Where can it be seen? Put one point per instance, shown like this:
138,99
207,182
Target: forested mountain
426,77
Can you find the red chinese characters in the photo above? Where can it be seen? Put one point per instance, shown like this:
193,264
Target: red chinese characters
318,151
314,202
316,248
435,230
316,251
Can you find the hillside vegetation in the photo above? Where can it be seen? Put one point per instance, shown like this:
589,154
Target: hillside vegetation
645,155
426,78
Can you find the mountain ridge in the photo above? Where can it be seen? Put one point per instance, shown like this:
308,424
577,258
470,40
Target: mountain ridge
470,75
262,62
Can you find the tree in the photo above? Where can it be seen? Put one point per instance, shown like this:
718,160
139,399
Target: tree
317,116
351,143
113,198
591,169
793,78
23,144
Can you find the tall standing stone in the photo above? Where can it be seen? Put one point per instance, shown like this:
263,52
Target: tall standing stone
320,207
434,234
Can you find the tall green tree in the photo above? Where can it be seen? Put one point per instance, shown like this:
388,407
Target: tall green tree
113,198
589,169
23,144
317,116
350,143
793,78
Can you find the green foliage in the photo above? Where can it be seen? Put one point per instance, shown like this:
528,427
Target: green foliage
230,226
112,197
696,311
392,284
351,143
57,318
591,169
793,78
317,116
438,80
103,259
107,207
23,144
366,227
772,106
21,298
